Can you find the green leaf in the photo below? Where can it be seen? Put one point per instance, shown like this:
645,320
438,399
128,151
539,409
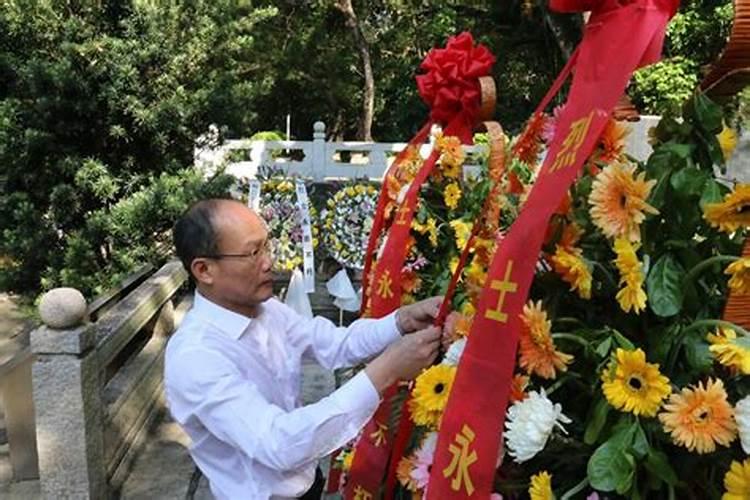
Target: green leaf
664,286
657,463
640,444
596,422
610,468
604,347
623,341
697,354
659,193
706,114
689,181
711,193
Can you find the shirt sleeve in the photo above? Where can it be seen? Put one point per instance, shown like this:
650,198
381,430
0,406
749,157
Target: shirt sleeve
336,347
232,409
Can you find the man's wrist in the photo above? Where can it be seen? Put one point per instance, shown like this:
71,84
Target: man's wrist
399,326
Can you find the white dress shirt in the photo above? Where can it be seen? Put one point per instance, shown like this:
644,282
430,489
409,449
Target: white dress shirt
233,384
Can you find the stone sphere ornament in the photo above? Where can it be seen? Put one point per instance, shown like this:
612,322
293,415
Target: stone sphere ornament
62,308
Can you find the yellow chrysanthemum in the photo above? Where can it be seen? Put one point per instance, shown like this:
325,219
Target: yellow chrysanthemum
538,355
740,272
737,481
475,273
462,230
568,263
541,486
728,352
468,309
452,195
732,213
430,394
728,141
633,385
453,264
452,155
429,228
699,417
347,460
631,296
618,201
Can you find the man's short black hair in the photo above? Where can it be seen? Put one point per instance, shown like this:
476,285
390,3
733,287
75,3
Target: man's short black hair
195,233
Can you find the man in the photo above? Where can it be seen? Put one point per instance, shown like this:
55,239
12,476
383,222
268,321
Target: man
232,371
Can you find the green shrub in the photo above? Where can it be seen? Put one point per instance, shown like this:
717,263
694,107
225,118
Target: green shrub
664,86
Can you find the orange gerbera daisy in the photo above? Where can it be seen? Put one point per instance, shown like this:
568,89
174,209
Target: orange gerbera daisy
462,326
518,387
568,263
612,141
527,147
732,213
403,473
452,155
618,201
410,281
699,417
538,355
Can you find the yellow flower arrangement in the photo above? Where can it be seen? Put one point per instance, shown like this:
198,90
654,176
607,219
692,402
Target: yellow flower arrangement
631,384
731,214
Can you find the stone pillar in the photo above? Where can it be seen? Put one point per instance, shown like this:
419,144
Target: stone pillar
318,160
67,399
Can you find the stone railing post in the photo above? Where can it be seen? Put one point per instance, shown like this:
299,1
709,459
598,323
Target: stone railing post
318,160
67,399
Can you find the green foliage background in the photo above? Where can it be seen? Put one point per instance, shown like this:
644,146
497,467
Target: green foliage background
101,102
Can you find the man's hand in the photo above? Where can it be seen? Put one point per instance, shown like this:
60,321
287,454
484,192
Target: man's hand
405,358
419,315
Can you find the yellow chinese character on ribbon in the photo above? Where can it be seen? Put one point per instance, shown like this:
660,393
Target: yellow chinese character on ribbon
566,157
504,286
384,286
461,461
402,211
362,494
378,436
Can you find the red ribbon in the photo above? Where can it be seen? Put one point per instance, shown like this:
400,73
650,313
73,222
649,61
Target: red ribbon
451,88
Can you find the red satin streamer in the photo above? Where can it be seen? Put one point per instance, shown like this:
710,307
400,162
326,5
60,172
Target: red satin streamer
471,428
451,87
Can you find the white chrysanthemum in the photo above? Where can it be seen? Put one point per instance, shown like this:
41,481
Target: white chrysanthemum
530,423
742,417
454,352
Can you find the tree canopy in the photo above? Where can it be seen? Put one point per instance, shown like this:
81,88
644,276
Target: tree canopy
101,101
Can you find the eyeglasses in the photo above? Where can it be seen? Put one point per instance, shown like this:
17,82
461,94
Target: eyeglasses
266,249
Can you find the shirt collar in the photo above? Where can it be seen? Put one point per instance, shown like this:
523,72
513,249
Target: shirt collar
230,323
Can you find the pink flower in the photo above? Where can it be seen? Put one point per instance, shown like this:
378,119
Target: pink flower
496,496
550,124
423,460
593,496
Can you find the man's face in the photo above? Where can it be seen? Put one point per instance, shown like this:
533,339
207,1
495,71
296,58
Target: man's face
243,280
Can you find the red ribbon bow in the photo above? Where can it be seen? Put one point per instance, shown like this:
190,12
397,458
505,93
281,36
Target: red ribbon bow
451,84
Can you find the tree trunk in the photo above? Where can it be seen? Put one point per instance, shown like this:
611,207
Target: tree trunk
364,128
567,31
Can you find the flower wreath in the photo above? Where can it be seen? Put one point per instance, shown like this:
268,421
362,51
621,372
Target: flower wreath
278,207
348,221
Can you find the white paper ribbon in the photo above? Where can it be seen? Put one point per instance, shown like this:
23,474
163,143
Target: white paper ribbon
308,256
340,286
253,195
296,295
